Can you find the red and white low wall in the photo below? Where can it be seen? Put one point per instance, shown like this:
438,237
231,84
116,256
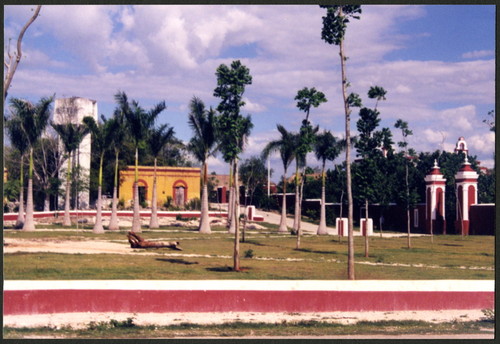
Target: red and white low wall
106,213
139,296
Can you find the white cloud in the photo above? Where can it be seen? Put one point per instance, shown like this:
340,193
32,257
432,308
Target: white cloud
252,107
459,118
478,54
481,143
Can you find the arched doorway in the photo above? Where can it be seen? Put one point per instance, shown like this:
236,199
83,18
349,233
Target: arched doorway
179,193
143,191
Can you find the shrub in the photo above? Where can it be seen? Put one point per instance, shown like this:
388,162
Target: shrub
249,253
194,204
489,315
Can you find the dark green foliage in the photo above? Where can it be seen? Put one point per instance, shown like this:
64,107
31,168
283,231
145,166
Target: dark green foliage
232,127
309,97
486,187
335,21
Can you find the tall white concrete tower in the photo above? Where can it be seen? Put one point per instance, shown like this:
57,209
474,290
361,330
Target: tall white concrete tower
73,110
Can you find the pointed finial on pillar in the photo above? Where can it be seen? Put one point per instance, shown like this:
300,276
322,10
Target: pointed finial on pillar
436,163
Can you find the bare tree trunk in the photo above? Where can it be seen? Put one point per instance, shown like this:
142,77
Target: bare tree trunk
136,220
46,201
236,220
29,222
283,227
98,229
296,215
230,200
350,247
98,218
204,218
153,223
67,219
322,218
366,227
13,63
113,222
20,213
407,205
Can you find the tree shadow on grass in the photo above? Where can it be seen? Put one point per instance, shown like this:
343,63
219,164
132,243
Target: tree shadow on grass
307,250
254,242
226,269
176,261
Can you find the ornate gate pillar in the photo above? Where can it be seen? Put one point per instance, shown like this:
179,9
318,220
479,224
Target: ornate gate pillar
434,207
466,191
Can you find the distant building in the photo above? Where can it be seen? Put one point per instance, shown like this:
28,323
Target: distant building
461,146
182,184
73,110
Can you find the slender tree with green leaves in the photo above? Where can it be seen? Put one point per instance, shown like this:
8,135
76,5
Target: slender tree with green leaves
233,129
285,145
158,138
33,118
101,133
369,147
202,145
138,122
378,93
19,141
327,147
405,132
333,32
71,135
304,144
306,99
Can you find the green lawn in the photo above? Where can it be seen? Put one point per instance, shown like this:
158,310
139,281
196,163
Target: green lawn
274,257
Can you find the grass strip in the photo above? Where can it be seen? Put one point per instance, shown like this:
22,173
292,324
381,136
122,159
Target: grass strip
128,329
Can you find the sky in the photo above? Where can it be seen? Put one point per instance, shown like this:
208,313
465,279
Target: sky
436,62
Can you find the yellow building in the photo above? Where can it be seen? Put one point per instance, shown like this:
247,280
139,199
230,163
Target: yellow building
182,184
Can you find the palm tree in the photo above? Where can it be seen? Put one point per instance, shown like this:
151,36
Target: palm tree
300,163
117,138
19,141
286,147
33,119
102,139
327,147
71,135
138,122
203,145
377,92
157,139
304,143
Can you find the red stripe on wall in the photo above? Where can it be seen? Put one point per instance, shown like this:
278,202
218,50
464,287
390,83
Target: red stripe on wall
159,301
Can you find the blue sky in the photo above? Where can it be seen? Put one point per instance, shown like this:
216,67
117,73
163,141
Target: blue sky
437,63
